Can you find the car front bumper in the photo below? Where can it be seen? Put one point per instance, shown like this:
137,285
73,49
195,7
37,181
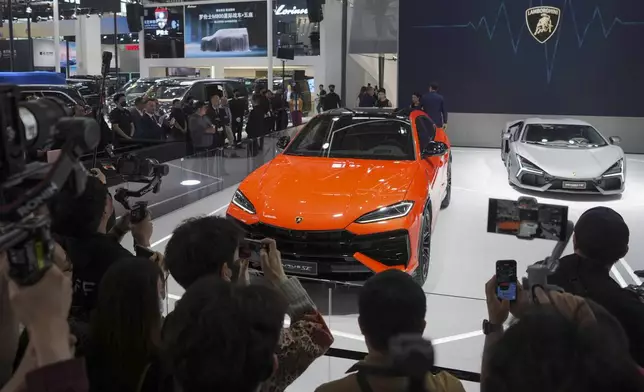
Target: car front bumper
542,182
335,252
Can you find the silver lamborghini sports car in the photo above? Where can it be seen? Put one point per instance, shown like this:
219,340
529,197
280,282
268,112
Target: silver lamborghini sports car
562,156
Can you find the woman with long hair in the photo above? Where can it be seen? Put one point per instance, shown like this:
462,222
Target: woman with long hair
125,326
363,91
415,102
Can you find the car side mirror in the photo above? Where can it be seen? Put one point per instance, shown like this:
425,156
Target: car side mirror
615,140
507,135
433,149
283,142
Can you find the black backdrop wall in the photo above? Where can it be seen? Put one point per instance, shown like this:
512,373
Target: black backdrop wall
486,60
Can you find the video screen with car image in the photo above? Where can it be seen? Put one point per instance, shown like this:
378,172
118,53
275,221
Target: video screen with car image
163,32
226,30
527,219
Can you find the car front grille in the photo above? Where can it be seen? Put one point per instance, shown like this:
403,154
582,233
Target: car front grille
335,246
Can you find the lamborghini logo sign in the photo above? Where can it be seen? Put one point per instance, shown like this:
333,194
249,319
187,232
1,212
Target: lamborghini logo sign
542,22
298,219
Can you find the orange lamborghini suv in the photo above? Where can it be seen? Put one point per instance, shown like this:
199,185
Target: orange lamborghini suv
354,192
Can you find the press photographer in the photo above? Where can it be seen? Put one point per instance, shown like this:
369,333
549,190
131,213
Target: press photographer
600,240
28,252
82,223
558,340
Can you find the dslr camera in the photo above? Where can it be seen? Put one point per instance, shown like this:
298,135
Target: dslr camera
27,185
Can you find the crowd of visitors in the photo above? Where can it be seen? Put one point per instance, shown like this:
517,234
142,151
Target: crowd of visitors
218,123
95,320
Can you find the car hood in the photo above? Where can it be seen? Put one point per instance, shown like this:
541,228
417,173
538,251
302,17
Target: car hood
567,162
327,193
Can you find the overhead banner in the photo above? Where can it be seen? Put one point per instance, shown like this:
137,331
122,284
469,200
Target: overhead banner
163,32
374,27
226,30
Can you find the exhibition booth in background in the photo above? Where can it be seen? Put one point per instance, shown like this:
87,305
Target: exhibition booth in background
42,50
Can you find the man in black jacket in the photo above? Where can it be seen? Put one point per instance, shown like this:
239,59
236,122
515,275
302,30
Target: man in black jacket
238,108
82,223
255,128
601,240
332,99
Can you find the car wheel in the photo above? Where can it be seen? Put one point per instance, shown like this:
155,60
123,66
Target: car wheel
421,272
448,191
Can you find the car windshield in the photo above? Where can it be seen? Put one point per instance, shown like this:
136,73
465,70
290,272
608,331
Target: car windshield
564,135
85,88
365,138
139,87
168,92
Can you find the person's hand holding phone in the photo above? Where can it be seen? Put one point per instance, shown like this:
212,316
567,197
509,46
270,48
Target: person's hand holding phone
271,260
498,310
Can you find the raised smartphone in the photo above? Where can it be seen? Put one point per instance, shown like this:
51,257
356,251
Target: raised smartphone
506,280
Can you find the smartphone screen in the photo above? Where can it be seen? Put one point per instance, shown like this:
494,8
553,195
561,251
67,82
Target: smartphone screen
526,218
506,280
249,249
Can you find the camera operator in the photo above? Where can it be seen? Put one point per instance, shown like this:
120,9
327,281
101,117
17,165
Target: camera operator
209,246
600,239
82,223
390,304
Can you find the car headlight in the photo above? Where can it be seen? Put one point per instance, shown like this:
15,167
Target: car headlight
617,168
242,202
393,211
526,164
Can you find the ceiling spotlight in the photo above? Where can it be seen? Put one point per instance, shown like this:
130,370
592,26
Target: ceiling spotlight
88,16
190,182
28,10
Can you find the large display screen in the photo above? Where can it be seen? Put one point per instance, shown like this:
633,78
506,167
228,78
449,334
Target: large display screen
563,57
163,32
226,30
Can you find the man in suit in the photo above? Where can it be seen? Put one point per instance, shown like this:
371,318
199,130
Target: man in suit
220,118
434,106
150,128
255,128
238,108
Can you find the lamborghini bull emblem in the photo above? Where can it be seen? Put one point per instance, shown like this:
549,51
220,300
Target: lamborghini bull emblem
542,22
298,219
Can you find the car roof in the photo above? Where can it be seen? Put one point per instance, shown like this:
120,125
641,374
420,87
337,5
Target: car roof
369,112
555,121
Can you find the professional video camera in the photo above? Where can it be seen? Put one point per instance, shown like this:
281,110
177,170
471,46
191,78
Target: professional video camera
527,219
133,168
26,186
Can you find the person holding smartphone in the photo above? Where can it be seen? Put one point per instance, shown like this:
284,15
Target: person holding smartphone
209,246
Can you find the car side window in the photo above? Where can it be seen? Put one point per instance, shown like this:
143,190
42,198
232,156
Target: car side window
516,131
426,131
197,92
56,94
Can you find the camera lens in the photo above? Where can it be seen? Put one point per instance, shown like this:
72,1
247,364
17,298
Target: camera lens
39,118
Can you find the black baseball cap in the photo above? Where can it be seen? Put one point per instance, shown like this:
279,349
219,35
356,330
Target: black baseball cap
602,235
